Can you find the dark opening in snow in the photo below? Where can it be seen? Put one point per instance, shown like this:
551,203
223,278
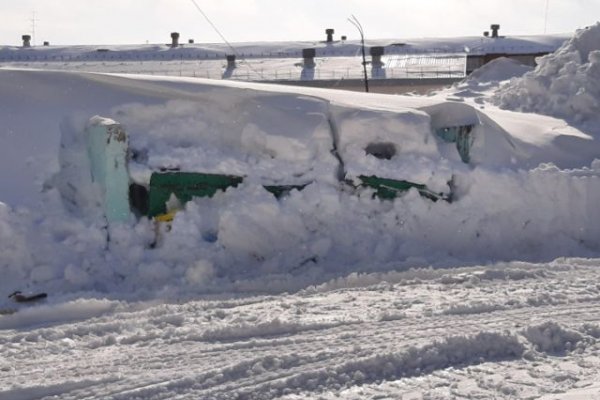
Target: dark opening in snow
383,151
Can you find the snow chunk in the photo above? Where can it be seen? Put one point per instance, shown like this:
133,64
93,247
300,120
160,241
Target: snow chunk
552,338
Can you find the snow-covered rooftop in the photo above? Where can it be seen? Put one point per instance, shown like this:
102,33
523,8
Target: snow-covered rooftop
281,61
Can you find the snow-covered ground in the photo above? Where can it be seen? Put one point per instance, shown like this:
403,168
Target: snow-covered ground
327,292
512,330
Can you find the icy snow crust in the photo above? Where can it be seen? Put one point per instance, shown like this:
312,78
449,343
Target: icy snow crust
326,293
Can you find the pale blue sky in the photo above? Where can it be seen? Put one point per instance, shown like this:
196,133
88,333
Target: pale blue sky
141,21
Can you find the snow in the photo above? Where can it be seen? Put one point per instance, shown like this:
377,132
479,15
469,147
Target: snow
327,292
414,58
564,84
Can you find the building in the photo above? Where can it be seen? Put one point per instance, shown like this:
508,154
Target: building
392,66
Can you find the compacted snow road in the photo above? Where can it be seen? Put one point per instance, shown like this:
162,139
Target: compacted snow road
514,330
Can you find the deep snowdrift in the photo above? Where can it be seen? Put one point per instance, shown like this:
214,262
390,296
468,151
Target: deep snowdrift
529,191
565,84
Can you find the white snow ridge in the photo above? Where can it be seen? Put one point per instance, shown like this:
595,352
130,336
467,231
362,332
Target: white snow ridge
363,246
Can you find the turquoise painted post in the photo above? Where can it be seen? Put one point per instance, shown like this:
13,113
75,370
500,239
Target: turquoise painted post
461,135
107,149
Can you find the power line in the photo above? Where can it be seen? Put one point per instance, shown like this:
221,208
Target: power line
225,40
546,16
354,21
212,25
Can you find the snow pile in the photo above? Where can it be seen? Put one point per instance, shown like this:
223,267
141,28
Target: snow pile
516,200
500,69
390,145
270,137
565,84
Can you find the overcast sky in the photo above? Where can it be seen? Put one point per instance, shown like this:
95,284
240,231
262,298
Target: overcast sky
152,21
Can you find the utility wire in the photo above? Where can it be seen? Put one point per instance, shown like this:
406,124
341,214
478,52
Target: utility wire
354,21
546,16
233,50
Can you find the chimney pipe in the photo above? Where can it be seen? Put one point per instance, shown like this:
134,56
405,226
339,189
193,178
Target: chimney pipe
329,33
309,57
230,61
174,39
26,40
376,53
495,28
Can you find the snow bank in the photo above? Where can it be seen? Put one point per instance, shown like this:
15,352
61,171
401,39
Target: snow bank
309,236
506,205
565,84
500,69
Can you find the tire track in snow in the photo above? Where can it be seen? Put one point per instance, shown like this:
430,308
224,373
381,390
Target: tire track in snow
160,360
305,365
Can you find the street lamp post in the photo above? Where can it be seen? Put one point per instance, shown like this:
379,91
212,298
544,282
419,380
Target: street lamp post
354,21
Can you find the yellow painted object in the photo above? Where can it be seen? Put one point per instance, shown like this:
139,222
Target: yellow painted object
167,217
162,225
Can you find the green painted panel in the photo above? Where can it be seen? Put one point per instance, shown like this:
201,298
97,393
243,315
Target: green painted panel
185,186
389,189
281,190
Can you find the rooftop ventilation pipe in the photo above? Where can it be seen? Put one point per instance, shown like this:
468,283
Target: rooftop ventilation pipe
495,28
46,43
329,33
191,41
377,70
376,53
174,39
486,33
26,40
230,69
309,57
230,61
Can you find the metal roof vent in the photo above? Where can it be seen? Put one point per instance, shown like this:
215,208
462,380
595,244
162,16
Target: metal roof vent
329,33
26,40
309,57
495,28
230,61
174,39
